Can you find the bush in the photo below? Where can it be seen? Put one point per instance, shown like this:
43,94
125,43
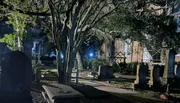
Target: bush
43,72
93,64
125,68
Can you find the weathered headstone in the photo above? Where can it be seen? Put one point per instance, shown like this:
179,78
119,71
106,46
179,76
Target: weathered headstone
169,75
154,75
176,81
177,72
161,71
141,76
105,72
16,77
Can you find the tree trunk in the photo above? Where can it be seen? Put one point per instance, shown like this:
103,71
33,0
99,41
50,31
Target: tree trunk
59,67
69,67
39,56
69,63
65,67
20,44
79,61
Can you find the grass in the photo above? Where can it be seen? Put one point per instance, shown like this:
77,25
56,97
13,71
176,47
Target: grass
127,83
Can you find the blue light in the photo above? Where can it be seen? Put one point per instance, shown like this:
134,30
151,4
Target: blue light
91,54
61,55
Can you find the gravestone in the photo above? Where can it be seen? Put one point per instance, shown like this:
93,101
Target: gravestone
141,76
161,71
16,77
169,75
154,75
177,72
105,72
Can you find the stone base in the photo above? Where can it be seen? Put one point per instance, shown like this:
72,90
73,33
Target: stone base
141,86
105,77
67,100
157,87
177,80
163,80
5,100
166,81
176,83
15,98
154,84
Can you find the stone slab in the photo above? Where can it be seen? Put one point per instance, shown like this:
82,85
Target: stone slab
60,91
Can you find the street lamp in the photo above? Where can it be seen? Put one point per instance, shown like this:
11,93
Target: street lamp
91,55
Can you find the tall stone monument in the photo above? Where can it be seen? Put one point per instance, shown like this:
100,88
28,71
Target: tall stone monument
169,75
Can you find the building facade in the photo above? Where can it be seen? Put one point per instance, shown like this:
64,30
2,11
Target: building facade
129,51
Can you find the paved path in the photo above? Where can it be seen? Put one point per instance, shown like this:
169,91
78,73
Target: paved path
123,93
106,87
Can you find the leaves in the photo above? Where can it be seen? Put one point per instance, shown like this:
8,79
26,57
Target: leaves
19,22
9,39
142,25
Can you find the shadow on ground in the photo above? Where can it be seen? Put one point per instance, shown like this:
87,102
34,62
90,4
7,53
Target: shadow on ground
94,95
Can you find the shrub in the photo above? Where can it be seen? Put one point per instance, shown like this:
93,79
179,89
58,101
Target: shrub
93,64
125,68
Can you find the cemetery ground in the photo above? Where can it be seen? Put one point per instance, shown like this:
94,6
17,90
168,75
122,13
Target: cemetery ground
92,95
144,95
18,82
118,89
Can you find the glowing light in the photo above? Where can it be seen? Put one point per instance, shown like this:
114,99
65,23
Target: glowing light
62,56
91,54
